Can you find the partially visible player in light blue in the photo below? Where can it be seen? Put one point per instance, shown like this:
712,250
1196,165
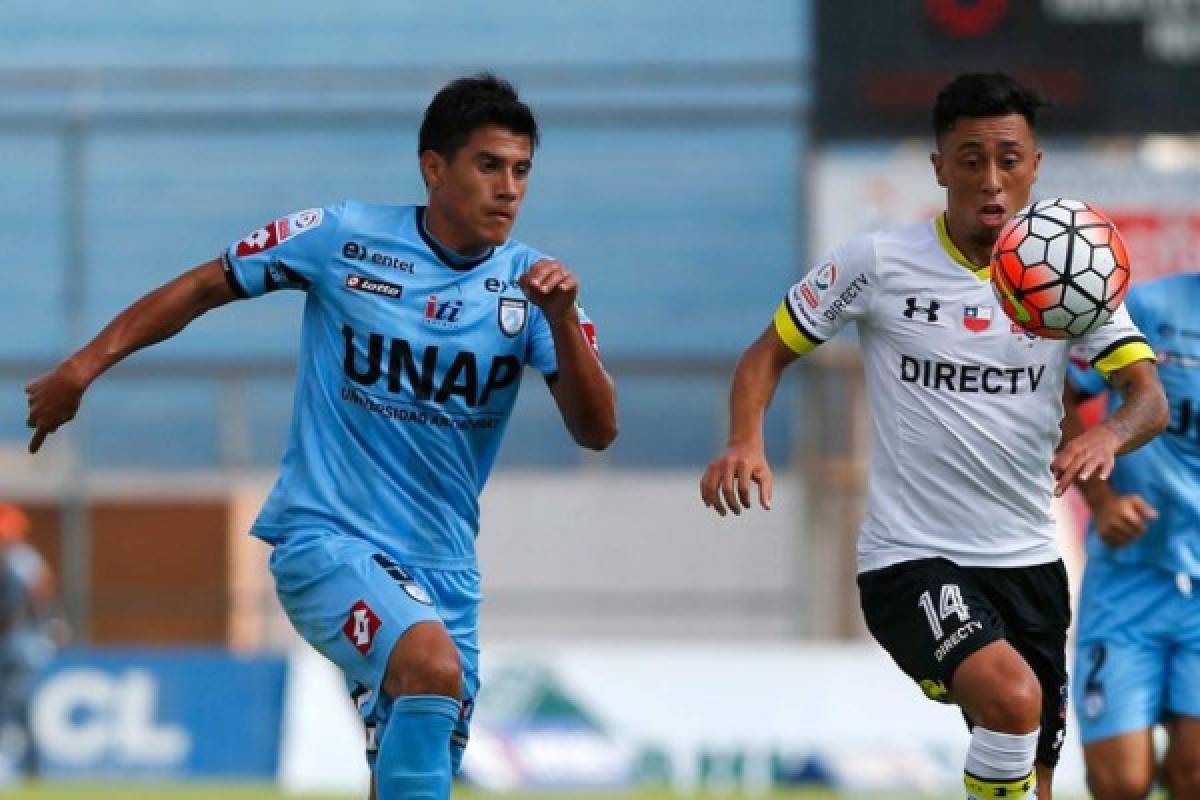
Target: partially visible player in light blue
1138,647
417,326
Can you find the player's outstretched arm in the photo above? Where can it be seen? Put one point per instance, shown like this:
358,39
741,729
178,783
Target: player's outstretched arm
1142,415
54,398
726,482
583,391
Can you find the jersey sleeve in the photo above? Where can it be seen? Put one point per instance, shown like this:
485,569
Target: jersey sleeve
1115,345
541,354
829,296
288,253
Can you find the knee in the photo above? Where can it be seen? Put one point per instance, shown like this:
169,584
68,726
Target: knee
425,673
424,661
1015,707
1111,782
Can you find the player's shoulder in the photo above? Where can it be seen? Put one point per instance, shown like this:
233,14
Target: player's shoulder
869,253
358,215
517,257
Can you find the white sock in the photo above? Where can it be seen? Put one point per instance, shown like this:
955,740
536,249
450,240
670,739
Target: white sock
1001,765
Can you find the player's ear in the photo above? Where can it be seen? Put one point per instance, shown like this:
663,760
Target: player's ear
433,168
1037,163
938,162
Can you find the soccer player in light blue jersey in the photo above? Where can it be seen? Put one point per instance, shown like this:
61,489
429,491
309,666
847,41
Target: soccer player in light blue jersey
1138,648
417,326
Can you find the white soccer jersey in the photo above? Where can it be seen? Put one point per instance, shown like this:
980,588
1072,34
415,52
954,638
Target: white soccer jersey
965,407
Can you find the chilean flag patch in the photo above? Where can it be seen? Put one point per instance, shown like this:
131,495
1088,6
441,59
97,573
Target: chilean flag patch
977,318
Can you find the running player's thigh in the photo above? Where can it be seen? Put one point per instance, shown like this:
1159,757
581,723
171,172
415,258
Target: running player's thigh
929,616
347,600
1034,602
1119,686
997,688
1122,660
1183,677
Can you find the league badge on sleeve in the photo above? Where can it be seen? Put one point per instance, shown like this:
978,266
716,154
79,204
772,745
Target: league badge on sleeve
279,231
511,315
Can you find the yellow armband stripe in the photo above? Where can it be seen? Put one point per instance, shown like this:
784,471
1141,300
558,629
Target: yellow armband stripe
792,332
1121,354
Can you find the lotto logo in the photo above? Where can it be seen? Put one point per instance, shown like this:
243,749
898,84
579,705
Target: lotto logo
361,627
256,242
384,288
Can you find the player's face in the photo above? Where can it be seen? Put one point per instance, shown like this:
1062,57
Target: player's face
988,166
474,197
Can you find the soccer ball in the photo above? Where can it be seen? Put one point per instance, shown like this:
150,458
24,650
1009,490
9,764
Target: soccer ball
1060,268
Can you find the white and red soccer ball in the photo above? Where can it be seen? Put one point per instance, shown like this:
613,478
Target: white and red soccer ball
1060,268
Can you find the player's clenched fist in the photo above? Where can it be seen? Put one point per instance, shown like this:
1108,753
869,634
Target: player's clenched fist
550,286
1123,519
726,482
53,401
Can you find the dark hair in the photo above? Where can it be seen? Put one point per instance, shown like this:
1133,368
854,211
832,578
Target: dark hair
467,104
984,94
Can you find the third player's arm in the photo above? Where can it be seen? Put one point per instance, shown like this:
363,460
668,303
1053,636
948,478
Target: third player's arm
726,482
54,398
1119,518
1142,415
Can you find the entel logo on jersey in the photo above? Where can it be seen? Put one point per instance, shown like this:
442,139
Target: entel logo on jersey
358,252
361,627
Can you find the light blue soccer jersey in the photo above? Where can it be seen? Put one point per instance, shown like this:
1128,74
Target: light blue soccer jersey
1166,471
409,367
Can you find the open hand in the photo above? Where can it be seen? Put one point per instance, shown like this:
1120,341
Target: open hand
726,482
1092,452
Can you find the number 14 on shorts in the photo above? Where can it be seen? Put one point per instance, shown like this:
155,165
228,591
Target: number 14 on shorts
950,603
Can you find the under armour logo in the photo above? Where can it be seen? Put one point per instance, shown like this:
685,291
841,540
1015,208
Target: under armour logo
930,311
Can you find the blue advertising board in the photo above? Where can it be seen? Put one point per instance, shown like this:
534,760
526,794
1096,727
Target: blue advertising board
166,714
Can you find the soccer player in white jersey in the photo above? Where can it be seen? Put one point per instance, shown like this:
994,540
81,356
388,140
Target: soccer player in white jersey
958,572
418,322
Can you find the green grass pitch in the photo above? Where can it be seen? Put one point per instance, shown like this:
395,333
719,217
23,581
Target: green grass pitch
265,792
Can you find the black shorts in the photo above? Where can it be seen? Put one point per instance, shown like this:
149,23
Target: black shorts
930,614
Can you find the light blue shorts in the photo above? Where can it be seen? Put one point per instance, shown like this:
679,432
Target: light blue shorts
353,603
1137,658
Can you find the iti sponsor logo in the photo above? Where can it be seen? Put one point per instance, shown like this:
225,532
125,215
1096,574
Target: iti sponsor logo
442,313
